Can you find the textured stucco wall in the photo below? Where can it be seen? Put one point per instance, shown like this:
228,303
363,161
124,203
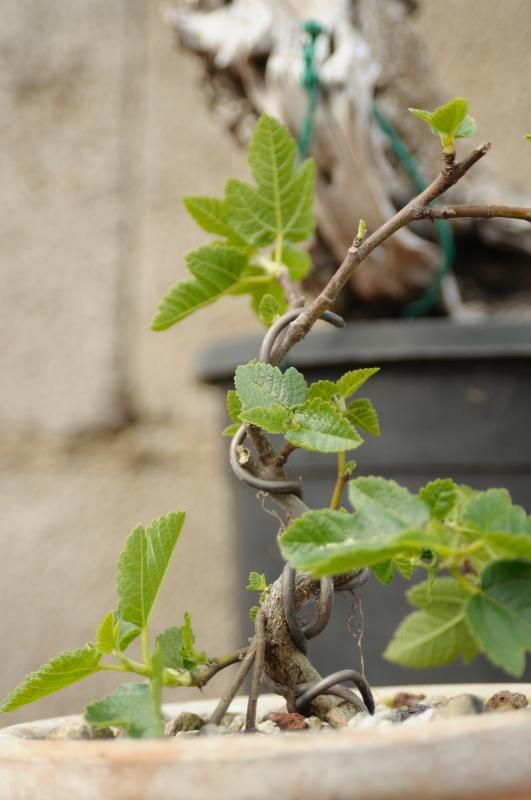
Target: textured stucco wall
480,50
105,128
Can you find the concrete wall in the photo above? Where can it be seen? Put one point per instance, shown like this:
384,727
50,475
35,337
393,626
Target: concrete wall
105,128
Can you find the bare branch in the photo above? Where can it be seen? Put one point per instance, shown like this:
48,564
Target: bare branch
230,692
451,173
207,672
475,212
259,659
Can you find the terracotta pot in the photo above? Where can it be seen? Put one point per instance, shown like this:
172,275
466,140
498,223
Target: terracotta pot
482,756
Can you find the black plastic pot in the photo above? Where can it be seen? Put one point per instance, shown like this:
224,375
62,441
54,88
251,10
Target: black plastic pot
454,400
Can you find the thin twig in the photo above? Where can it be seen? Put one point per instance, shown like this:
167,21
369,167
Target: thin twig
474,212
451,173
259,660
230,692
341,479
207,672
284,454
291,290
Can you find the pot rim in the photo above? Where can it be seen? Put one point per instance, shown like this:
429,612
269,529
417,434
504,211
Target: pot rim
274,702
383,341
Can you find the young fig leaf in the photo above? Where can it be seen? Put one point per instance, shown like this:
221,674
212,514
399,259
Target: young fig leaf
215,271
281,205
257,582
261,385
66,668
268,309
500,614
132,706
142,566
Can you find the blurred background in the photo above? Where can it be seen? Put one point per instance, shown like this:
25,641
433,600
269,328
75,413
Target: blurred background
106,123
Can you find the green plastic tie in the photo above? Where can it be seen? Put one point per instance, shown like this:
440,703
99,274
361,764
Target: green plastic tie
444,232
310,82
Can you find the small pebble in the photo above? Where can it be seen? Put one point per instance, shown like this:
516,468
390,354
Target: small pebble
314,723
406,699
268,726
186,734
420,719
236,724
435,700
404,712
380,719
80,730
339,716
210,730
506,701
287,721
460,705
185,721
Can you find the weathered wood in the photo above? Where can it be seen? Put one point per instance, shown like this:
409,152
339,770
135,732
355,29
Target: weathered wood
253,49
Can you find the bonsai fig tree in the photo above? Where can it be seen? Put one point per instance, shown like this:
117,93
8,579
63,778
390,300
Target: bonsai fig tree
474,547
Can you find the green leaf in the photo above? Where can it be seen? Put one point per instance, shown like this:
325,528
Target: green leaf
257,582
363,414
447,118
191,657
506,528
441,591
124,632
449,121
262,385
350,382
133,706
68,667
177,646
493,511
405,565
281,205
330,542
268,309
322,390
422,114
271,288
234,408
500,615
142,566
234,405
440,496
274,419
230,430
170,643
467,128
105,636
322,427
528,137
297,261
253,611
215,271
432,637
211,214
384,572
384,504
